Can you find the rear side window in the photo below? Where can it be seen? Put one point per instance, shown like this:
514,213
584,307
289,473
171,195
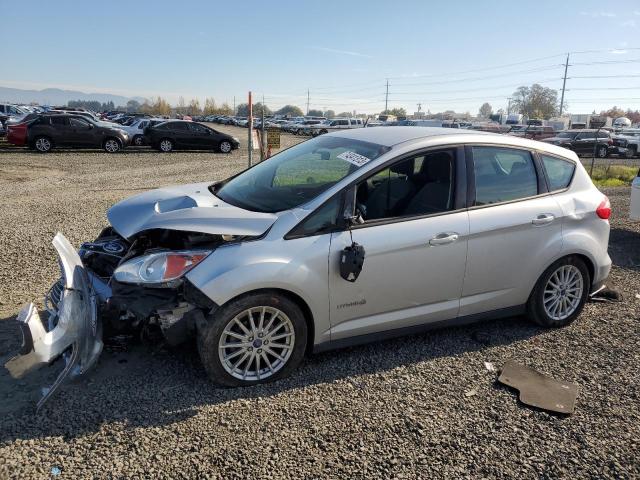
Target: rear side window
503,174
57,120
559,172
177,126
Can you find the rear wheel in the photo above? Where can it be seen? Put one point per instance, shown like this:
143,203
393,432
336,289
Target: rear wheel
602,151
225,146
112,145
560,294
257,338
166,145
43,144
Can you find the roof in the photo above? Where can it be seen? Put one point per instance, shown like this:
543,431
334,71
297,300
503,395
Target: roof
434,136
390,136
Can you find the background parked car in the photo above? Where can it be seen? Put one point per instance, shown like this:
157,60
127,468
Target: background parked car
137,127
70,130
631,136
584,141
336,124
179,134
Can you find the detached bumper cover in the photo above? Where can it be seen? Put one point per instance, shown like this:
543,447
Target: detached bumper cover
73,329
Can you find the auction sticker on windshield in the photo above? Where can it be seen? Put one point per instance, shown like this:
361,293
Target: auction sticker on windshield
353,157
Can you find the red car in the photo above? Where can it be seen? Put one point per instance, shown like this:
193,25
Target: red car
17,134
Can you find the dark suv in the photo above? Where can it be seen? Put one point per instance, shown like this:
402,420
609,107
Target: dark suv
584,141
70,130
180,134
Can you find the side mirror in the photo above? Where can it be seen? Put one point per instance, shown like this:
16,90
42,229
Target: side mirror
351,215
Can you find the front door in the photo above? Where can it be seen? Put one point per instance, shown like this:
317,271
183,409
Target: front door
415,241
82,133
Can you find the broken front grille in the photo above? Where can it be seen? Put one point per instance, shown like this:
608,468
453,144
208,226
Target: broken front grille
53,296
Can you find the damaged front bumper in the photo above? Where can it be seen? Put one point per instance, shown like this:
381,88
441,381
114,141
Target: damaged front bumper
73,328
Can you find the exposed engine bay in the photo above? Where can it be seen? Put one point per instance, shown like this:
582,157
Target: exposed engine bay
142,308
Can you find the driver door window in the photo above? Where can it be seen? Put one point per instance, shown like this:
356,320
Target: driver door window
420,185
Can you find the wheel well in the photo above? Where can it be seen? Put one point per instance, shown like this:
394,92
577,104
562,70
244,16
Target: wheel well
587,261
297,299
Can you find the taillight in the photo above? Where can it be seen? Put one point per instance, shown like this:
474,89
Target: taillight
610,142
604,209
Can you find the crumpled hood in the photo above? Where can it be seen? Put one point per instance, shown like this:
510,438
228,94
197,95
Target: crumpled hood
191,208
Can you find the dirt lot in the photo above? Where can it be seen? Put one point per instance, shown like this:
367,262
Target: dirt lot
398,409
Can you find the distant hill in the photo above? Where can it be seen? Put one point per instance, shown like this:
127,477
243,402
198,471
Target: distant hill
56,96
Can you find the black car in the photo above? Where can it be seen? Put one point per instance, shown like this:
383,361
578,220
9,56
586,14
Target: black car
185,135
71,130
584,141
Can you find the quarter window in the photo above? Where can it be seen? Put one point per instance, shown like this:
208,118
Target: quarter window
559,172
503,174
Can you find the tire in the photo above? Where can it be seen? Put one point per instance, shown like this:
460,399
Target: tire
544,293
225,146
632,151
214,341
43,144
112,145
138,141
165,145
602,151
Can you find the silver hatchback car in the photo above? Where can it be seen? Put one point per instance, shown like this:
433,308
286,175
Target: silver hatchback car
349,237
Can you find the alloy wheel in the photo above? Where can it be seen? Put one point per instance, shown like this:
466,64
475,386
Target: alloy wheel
225,147
111,145
563,292
602,152
43,144
138,141
166,145
256,343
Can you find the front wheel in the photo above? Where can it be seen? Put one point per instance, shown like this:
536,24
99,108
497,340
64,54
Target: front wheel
225,146
112,145
257,338
560,293
138,140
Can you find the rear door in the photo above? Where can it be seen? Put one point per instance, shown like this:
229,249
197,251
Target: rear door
514,228
584,142
181,135
60,130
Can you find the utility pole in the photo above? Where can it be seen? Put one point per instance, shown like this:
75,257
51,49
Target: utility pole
386,97
307,101
509,106
234,104
564,82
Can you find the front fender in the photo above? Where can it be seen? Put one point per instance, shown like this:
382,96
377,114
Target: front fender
299,266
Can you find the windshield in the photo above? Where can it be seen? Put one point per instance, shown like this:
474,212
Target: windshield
566,134
298,174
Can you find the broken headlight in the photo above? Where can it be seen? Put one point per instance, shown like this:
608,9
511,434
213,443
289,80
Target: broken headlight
159,268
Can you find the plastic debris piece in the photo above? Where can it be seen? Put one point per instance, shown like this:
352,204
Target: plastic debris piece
490,366
538,390
470,393
607,295
55,471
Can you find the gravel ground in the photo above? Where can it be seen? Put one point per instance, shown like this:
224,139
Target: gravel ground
418,407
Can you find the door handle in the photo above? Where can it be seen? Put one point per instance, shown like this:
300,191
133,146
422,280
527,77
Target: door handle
443,238
543,219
